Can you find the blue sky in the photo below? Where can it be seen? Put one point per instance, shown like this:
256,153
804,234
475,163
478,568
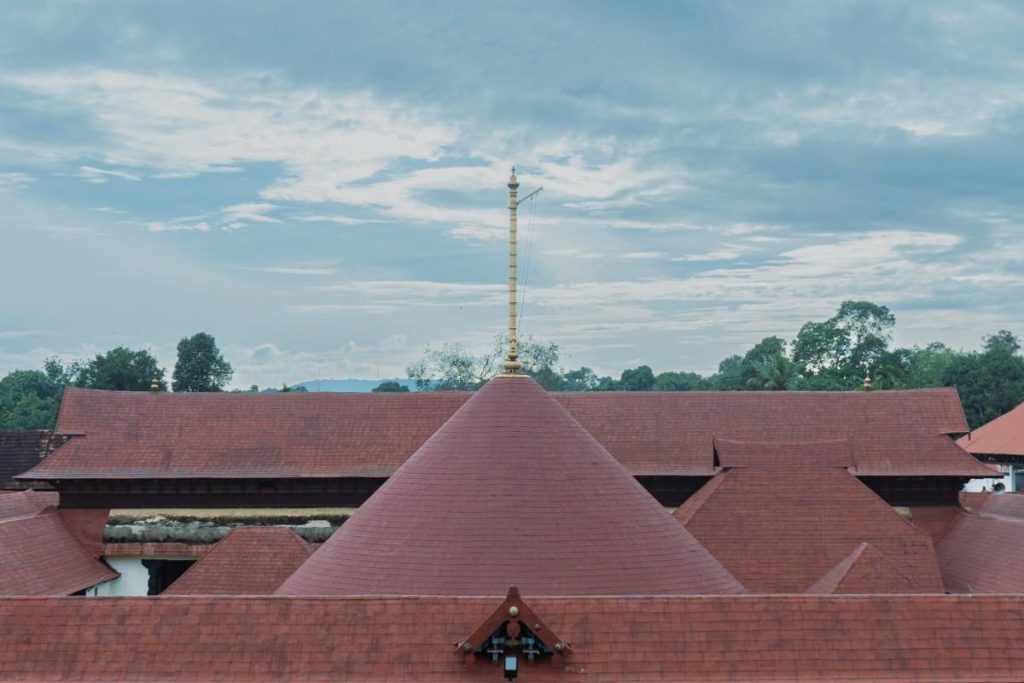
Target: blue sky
322,185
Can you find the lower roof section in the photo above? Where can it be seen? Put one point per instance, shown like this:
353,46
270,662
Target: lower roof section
779,638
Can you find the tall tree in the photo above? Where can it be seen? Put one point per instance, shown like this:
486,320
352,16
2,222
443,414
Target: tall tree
848,346
200,366
454,367
121,369
583,379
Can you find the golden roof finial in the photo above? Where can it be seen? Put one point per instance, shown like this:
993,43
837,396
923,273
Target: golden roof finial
512,364
867,382
154,386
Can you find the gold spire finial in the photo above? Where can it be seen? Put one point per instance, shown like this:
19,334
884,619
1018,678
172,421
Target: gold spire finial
867,382
512,364
154,386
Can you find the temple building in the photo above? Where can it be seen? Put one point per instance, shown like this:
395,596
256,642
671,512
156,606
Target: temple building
509,533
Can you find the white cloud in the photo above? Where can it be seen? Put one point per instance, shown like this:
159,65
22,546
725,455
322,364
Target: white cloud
91,174
15,182
159,226
181,126
643,255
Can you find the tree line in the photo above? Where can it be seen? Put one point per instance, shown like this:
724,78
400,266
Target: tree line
30,399
852,350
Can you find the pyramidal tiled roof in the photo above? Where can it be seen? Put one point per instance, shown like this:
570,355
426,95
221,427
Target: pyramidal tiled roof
780,530
511,490
867,572
251,560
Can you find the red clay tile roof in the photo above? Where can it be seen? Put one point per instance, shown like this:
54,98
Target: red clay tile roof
38,555
832,453
934,520
21,451
982,554
135,435
781,530
512,490
779,638
252,560
865,572
1002,436
25,503
1009,505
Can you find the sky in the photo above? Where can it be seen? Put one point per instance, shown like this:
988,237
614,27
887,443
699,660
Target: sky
322,185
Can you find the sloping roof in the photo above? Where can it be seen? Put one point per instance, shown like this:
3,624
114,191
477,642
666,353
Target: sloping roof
781,530
1009,505
1002,436
982,554
20,451
830,453
865,572
25,503
38,555
251,560
133,435
936,638
511,490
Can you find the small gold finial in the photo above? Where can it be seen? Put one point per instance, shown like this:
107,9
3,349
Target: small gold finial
867,382
154,386
512,364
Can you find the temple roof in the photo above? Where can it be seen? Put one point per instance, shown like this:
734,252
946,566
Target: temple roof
780,530
1002,436
38,554
140,435
251,560
21,451
866,572
780,638
511,490
981,553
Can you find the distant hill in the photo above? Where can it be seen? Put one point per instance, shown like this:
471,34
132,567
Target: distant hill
363,386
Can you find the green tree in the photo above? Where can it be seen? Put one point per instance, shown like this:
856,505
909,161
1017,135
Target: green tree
991,382
679,381
200,365
389,387
454,367
729,376
846,347
778,374
583,379
637,379
121,369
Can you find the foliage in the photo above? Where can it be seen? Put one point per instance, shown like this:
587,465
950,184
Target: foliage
679,381
121,369
990,382
390,386
847,345
453,367
200,365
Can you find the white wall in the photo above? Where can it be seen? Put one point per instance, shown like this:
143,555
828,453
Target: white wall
1008,480
134,579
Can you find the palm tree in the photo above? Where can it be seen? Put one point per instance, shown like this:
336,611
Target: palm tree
776,375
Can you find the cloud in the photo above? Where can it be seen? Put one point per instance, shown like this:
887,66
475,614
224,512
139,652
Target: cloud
180,126
15,182
340,220
159,226
91,174
643,255
294,270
